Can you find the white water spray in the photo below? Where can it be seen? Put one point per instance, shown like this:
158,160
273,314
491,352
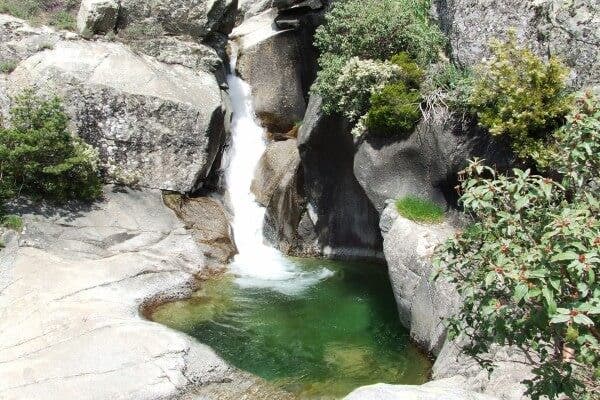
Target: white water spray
256,265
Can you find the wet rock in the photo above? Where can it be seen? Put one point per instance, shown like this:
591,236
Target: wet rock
97,16
159,125
209,224
278,159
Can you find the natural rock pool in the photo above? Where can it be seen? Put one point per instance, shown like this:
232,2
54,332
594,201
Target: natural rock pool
319,340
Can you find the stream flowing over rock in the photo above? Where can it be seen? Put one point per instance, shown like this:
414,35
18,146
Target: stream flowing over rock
70,291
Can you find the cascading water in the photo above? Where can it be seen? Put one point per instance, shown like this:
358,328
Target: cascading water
256,265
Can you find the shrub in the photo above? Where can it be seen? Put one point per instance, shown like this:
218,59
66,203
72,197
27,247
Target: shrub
394,111
378,29
6,67
412,74
420,210
59,13
13,222
40,158
519,96
358,81
528,272
448,86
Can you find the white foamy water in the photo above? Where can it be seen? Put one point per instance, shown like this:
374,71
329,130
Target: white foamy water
256,265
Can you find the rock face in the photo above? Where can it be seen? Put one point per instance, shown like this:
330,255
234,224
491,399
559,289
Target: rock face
70,292
208,223
425,165
200,19
97,16
447,389
424,305
346,222
568,29
279,186
160,125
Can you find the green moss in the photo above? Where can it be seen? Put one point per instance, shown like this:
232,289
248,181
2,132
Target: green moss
420,210
394,111
13,222
412,74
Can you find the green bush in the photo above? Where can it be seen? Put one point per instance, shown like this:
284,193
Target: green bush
378,29
40,158
13,222
412,74
6,67
528,274
59,13
519,96
420,210
395,111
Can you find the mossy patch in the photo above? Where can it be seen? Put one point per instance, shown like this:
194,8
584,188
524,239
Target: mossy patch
13,222
420,210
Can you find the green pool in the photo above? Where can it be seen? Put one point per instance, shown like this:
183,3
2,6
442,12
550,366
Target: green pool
321,342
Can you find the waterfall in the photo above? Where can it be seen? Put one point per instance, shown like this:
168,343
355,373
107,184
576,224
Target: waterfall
257,264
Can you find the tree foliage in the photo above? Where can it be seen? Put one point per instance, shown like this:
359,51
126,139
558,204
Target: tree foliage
40,158
528,268
518,95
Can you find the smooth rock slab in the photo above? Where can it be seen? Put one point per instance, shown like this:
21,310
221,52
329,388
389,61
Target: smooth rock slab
159,124
70,326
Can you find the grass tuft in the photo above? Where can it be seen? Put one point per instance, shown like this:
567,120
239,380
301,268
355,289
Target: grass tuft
420,210
13,222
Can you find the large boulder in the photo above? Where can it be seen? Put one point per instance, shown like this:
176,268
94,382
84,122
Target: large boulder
424,306
160,125
566,28
70,294
200,19
279,186
446,389
271,62
97,16
209,223
426,164
347,224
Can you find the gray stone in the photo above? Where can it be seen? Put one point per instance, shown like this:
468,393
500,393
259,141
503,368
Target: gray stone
197,18
97,16
447,389
70,301
157,124
424,306
426,164
347,224
271,62
208,223
565,28
278,159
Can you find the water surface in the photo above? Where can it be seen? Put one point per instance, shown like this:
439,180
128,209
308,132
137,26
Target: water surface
320,341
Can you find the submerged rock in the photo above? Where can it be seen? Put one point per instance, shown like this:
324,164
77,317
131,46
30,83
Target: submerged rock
156,124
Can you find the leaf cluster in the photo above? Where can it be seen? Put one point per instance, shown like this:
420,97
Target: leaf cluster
40,158
528,269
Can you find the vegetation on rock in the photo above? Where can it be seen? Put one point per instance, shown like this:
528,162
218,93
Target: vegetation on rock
528,268
6,67
59,13
420,210
348,78
518,95
40,158
395,110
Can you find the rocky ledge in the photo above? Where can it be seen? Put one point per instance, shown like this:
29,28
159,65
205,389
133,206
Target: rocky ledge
71,287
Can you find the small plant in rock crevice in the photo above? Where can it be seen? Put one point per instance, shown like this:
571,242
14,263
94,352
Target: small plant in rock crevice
420,210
